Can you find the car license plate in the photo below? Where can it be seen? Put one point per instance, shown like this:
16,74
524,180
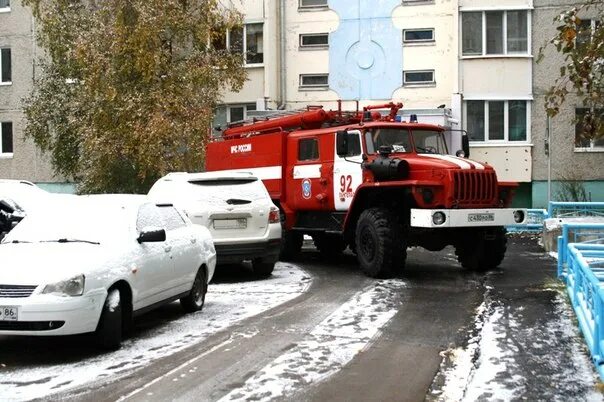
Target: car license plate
482,217
8,313
240,223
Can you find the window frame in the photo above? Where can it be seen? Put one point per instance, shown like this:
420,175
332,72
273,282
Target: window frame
246,109
505,53
302,7
419,41
506,122
5,9
307,87
592,146
244,43
12,135
10,61
302,46
419,83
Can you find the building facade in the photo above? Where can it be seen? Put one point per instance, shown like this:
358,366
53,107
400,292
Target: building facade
19,158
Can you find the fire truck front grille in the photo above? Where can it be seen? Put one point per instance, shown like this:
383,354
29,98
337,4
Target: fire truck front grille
474,187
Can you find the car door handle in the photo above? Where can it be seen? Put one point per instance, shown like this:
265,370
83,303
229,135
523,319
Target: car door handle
193,241
167,249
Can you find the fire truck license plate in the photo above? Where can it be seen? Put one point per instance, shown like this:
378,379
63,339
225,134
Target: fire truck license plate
240,223
8,313
484,217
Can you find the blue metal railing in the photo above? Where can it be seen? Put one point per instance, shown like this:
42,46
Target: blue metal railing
534,219
558,209
581,267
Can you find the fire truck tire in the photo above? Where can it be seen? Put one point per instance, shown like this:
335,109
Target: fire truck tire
263,267
479,253
329,244
380,244
290,245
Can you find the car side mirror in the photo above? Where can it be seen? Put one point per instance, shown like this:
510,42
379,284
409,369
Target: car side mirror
465,145
342,143
152,235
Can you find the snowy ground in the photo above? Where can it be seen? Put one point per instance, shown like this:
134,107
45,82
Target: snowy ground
226,304
509,356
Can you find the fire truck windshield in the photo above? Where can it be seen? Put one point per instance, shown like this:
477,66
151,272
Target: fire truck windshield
426,141
429,142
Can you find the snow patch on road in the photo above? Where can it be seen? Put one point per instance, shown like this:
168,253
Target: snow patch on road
496,364
330,346
226,304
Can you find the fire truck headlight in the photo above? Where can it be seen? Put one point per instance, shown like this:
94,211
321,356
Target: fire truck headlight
438,218
518,216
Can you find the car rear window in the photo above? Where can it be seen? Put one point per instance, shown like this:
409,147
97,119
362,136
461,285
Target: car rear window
223,182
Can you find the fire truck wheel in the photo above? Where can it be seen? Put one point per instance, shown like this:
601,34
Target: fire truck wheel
290,245
480,251
380,244
263,267
329,244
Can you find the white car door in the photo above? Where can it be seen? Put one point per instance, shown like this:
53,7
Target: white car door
155,267
347,172
185,250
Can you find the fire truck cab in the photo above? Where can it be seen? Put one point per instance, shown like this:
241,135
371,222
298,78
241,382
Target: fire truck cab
366,181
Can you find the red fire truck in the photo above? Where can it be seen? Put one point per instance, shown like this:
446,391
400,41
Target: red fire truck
368,181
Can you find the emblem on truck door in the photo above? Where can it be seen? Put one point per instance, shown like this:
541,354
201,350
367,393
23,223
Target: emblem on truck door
306,189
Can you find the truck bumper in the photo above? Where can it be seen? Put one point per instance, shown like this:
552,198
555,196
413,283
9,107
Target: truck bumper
452,218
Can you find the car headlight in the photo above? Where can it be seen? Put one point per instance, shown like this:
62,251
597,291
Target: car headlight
518,216
438,218
70,287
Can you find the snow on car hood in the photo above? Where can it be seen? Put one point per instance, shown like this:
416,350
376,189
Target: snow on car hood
41,263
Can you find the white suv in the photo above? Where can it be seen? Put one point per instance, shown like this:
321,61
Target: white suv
237,210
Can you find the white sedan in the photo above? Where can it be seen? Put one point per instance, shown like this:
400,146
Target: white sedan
92,263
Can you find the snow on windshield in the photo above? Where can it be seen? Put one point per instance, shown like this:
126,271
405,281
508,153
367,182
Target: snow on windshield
93,222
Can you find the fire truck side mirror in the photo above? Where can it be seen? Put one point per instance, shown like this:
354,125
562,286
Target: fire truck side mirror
465,145
342,143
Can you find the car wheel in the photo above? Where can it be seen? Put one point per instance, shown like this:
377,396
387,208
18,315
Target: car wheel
109,329
263,267
196,298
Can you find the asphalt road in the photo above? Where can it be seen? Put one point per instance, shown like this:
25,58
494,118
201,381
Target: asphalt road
351,338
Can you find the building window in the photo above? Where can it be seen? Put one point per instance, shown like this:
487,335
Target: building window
4,6
585,129
247,39
5,66
312,81
306,4
308,149
585,31
314,41
419,77
494,33
239,112
6,132
497,120
418,35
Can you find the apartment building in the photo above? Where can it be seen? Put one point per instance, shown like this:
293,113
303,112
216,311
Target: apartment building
19,158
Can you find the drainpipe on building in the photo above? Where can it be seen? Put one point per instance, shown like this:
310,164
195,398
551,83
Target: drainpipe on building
282,81
548,152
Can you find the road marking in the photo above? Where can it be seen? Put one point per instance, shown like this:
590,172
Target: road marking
330,346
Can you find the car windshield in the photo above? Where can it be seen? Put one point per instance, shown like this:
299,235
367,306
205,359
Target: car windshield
396,138
232,190
72,223
429,142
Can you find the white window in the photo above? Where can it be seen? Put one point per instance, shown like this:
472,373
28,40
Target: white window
5,66
248,39
4,6
497,120
314,41
418,77
584,137
495,32
237,113
314,81
6,140
305,4
418,35
585,31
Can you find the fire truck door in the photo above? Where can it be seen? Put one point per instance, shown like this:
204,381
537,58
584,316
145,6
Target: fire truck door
347,173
